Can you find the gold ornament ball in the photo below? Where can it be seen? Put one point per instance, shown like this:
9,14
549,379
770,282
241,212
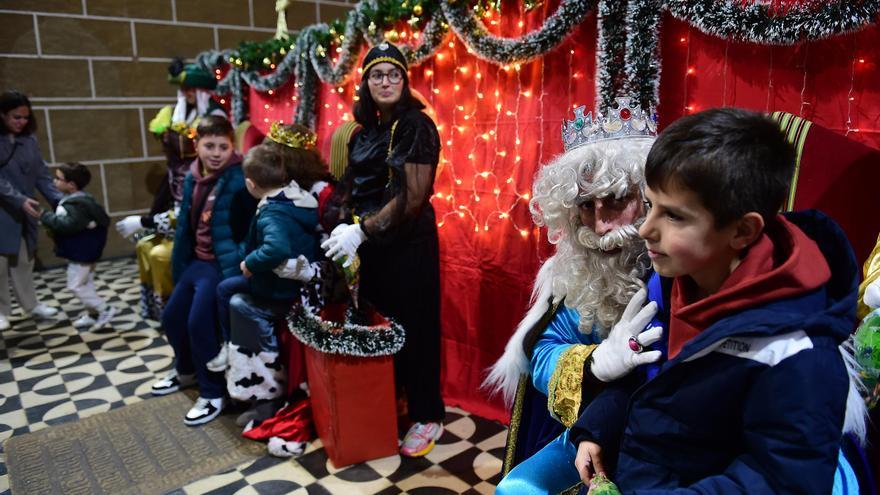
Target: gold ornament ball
393,36
417,10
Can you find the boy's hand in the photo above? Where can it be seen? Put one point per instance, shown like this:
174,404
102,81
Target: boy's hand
616,356
32,207
244,270
297,268
588,461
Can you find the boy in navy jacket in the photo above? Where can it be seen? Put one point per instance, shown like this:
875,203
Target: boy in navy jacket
79,228
753,396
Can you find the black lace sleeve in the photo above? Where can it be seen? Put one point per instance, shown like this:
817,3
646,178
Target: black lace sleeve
414,154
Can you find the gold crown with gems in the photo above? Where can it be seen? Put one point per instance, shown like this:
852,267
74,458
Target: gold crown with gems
628,120
291,139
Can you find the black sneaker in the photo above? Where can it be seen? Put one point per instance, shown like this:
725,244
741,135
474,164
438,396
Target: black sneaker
172,383
203,411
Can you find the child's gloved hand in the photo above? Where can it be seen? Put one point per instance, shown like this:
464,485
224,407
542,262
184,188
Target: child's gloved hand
344,241
297,268
616,356
129,226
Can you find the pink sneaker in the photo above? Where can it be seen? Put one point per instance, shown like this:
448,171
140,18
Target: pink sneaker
420,438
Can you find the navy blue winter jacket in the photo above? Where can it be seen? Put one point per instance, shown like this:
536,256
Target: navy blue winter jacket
230,217
753,405
279,231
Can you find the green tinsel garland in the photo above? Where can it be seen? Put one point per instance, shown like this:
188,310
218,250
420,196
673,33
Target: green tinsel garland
348,339
628,61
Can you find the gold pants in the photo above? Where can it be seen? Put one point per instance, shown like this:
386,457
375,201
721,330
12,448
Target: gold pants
154,263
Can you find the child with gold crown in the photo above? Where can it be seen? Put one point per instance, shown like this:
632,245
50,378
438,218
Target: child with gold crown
280,173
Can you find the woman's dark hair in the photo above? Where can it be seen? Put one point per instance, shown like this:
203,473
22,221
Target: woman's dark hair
273,164
366,113
215,125
10,100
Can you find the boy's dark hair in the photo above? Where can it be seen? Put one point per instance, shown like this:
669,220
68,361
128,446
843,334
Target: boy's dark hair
366,113
215,125
77,173
736,161
271,165
10,100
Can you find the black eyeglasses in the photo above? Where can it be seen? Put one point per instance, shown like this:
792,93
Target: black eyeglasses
394,76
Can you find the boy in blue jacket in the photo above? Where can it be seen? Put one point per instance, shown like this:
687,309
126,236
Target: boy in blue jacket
79,227
753,396
279,173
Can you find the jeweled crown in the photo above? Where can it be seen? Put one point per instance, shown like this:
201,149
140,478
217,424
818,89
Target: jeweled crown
625,121
303,140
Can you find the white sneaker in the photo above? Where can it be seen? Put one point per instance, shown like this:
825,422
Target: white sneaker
4,323
420,439
172,383
220,361
105,317
43,311
204,410
83,321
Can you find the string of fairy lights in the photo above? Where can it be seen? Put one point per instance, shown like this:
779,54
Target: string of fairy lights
482,191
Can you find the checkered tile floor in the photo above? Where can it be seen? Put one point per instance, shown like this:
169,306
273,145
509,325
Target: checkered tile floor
52,373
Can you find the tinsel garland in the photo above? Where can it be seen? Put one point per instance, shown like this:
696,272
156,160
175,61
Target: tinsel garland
470,28
627,55
348,339
308,59
759,22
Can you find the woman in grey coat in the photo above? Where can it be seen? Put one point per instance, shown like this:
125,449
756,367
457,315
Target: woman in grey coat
22,171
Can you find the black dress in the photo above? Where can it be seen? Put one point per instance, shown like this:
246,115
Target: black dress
400,262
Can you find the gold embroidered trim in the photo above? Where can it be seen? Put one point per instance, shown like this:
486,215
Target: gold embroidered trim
513,431
564,389
379,60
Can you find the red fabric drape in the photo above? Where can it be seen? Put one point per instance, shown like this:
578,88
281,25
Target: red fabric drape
489,250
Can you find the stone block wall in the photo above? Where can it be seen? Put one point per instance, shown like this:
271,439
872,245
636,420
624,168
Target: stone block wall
95,71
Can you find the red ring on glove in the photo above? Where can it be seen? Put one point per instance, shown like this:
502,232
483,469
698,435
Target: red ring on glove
634,345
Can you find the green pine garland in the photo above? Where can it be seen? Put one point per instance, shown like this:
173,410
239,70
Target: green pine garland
628,60
348,339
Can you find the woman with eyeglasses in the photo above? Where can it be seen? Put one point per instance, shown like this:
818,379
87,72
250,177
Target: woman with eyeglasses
387,185
22,172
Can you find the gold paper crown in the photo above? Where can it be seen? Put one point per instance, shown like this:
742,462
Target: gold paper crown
291,139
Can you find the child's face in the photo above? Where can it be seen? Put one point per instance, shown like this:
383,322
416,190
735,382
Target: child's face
214,151
682,238
63,184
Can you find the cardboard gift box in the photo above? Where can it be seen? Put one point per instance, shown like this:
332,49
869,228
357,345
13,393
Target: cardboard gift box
352,396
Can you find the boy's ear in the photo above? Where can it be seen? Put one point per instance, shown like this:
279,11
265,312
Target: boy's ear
249,183
748,228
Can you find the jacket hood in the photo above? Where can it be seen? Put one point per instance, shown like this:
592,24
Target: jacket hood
828,309
281,206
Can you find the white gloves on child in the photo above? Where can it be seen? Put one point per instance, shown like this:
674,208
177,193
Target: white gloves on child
297,268
129,226
615,357
344,241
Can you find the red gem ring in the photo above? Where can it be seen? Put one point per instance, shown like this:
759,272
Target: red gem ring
634,345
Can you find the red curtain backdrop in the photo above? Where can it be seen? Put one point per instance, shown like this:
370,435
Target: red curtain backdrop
499,124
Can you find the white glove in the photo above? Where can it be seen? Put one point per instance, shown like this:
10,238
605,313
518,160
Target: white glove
872,295
297,268
129,226
344,242
614,357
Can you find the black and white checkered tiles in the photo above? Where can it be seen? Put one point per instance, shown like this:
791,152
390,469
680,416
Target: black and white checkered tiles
52,373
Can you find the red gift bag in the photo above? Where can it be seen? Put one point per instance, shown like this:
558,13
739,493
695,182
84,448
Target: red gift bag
353,405
350,370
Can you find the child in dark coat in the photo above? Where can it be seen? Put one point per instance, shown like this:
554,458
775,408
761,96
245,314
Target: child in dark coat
279,173
79,228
